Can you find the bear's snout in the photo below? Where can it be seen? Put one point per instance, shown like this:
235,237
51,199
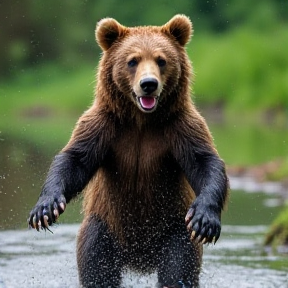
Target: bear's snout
149,85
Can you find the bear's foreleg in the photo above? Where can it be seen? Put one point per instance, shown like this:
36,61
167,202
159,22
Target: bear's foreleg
210,184
180,263
206,174
70,172
99,257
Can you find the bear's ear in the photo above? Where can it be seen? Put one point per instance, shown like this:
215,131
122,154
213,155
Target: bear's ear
180,27
108,30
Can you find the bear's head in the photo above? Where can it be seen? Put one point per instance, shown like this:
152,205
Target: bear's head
147,64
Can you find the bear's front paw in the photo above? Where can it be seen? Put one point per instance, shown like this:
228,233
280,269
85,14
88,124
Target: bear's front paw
204,223
46,211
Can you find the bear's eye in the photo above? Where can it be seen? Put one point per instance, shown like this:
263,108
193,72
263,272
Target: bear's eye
132,63
161,62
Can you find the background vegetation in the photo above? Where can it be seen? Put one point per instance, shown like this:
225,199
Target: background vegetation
238,49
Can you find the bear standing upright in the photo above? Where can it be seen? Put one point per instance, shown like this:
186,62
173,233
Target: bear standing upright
154,184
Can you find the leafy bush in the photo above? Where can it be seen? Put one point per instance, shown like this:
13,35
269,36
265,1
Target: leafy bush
245,69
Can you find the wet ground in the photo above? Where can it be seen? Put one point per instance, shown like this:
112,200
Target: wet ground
29,259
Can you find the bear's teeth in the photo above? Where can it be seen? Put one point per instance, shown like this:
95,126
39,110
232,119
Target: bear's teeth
147,102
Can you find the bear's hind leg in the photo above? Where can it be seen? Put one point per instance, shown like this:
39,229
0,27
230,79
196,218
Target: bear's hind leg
180,263
99,256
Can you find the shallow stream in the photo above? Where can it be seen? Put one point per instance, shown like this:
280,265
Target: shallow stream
29,259
43,260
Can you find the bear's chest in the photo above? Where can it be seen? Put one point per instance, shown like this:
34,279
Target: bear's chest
139,152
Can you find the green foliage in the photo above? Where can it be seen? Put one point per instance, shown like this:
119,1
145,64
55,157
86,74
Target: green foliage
42,105
281,173
34,32
245,69
50,86
278,233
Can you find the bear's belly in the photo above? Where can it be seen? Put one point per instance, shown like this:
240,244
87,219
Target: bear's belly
141,205
138,186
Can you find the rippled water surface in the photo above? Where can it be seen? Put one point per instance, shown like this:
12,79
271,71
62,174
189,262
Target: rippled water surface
44,260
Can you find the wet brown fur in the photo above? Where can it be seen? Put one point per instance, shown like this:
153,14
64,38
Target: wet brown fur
140,146
142,171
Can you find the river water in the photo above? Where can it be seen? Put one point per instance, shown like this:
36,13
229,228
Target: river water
29,259
45,260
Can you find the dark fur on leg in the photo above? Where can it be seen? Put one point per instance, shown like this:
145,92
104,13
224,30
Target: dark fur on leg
180,262
99,256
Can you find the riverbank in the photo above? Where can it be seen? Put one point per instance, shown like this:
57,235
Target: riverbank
270,177
260,178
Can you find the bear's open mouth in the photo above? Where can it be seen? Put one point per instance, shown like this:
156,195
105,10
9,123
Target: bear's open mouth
148,103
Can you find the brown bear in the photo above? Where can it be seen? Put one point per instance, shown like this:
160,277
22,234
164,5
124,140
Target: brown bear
154,184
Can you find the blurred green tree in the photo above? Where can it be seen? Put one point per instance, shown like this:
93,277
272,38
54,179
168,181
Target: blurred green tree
33,32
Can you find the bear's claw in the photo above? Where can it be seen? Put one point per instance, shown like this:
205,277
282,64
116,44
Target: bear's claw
203,223
46,212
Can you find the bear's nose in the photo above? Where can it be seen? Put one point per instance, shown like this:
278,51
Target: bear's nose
148,85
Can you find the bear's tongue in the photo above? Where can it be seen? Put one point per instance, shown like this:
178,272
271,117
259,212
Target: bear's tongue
147,102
